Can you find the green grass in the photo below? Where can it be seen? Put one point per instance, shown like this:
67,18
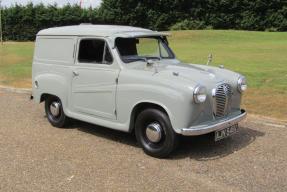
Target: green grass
15,63
260,56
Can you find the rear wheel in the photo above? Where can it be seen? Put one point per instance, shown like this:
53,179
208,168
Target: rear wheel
54,112
154,133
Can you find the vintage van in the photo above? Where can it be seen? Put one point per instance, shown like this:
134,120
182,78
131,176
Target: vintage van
129,79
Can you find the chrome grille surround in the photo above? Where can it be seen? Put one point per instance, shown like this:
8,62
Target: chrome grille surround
222,100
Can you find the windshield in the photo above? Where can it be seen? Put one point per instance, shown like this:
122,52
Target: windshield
142,49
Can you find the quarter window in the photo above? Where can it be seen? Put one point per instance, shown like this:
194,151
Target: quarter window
94,51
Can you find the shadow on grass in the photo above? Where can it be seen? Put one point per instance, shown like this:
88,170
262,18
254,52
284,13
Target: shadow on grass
201,148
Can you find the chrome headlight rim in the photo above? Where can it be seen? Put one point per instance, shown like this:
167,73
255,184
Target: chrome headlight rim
241,84
199,94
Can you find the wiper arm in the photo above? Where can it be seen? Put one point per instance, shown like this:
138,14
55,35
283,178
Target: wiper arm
136,59
154,57
145,59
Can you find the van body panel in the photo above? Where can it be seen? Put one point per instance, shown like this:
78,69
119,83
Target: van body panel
94,90
51,68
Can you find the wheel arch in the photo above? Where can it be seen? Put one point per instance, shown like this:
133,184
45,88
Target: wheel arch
139,107
51,85
44,96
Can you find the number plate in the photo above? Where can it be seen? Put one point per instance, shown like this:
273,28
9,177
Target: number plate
226,132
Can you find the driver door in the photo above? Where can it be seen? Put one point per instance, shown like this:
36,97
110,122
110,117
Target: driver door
94,80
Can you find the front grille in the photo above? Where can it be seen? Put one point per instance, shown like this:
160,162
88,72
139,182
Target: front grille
222,99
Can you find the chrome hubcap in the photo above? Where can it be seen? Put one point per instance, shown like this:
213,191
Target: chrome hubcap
55,108
153,132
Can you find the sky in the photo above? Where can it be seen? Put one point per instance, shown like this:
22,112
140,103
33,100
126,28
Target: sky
86,3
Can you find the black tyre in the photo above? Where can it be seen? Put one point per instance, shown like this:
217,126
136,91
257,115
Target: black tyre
154,133
55,113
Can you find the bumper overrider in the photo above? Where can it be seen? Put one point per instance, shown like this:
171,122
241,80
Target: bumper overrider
213,126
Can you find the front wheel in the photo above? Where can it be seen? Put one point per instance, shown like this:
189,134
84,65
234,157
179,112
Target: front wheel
54,112
154,133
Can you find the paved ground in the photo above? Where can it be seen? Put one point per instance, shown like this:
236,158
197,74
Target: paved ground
35,156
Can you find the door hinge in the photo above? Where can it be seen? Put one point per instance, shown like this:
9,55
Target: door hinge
117,80
115,112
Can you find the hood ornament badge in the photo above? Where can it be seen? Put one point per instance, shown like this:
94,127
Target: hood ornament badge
175,73
209,59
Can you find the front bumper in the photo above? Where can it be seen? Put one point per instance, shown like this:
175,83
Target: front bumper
213,126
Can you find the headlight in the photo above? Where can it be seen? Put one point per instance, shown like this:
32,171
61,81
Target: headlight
242,84
199,94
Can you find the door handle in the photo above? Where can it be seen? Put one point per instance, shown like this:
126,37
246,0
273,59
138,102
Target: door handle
76,73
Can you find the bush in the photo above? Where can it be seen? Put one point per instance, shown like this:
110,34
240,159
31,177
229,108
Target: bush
188,24
23,22
272,29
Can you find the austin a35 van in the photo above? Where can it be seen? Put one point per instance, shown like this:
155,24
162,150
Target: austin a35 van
129,79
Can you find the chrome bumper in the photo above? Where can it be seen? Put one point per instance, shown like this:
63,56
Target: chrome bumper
218,125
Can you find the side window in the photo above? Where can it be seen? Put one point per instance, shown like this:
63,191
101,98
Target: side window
94,51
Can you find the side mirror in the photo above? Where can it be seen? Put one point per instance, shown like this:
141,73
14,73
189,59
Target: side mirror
149,62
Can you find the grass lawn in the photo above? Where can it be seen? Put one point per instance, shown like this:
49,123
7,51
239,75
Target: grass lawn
260,56
15,63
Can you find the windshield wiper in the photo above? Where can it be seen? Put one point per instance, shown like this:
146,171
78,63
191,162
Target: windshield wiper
135,59
153,57
145,59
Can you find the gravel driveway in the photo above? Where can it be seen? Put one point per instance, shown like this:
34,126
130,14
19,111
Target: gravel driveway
34,156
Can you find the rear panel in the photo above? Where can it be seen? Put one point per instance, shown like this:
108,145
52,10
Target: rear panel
53,56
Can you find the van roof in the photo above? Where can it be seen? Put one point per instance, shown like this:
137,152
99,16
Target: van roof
99,30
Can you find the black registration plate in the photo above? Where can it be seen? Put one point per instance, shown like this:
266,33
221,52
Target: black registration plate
221,134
